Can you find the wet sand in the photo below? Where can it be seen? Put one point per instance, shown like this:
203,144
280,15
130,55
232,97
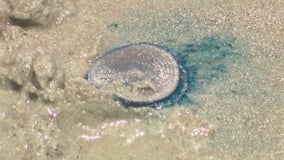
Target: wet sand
49,111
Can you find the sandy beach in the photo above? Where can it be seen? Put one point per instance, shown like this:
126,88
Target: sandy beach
50,111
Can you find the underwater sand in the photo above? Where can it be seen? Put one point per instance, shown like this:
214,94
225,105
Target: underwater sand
234,109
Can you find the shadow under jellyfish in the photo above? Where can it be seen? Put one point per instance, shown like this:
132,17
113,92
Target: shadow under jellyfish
140,74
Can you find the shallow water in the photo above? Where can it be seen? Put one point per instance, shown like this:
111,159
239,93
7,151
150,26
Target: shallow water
233,110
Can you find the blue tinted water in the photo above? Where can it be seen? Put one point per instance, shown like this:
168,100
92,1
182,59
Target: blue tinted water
204,60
